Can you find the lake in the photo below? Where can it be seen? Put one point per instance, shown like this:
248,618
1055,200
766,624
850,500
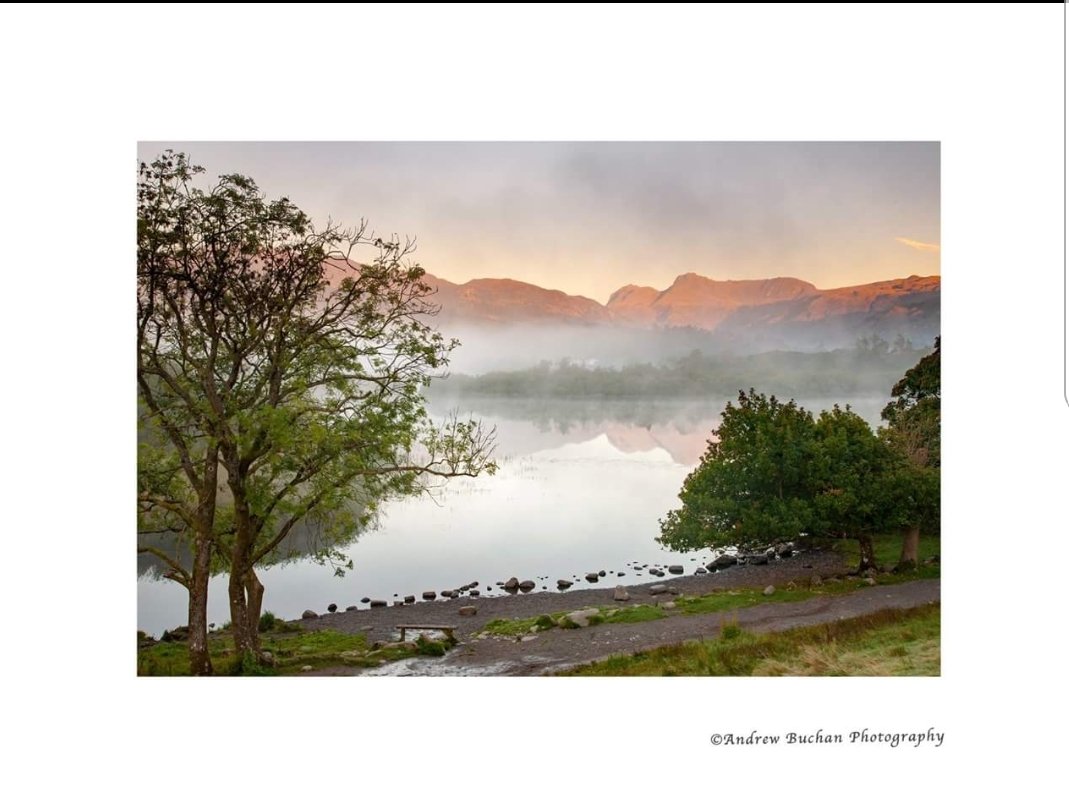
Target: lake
580,488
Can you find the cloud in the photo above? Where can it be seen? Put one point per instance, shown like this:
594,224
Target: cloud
920,246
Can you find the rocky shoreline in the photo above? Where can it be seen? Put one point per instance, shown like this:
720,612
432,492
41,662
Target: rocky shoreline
470,612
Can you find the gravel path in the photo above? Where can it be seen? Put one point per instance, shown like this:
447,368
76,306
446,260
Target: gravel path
557,649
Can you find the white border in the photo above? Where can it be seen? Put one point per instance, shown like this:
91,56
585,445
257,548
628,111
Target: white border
83,84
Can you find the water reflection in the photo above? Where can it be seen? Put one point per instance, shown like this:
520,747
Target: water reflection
581,487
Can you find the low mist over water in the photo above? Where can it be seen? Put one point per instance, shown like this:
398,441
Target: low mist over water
581,486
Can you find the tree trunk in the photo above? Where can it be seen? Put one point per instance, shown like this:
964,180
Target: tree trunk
911,540
254,599
246,600
200,663
868,554
245,641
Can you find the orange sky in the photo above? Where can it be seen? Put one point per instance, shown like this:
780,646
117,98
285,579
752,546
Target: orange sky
588,218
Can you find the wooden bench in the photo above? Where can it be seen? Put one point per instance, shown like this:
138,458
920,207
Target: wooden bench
446,628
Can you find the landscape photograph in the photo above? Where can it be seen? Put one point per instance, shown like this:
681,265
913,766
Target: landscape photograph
538,408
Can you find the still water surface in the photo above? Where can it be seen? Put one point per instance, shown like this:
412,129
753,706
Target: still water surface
580,488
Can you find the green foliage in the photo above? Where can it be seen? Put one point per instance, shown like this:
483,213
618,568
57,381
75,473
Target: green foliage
432,647
268,621
774,473
753,484
887,643
913,429
281,371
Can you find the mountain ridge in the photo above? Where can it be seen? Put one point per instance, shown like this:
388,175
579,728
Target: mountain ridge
691,300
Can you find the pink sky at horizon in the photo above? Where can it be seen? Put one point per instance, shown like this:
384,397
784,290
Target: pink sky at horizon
588,218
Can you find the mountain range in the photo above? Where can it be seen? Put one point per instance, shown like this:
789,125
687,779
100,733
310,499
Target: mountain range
772,309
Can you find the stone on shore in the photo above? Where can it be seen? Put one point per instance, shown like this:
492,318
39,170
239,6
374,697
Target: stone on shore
365,600
468,611
351,607
675,569
527,586
429,595
701,570
563,584
410,599
332,608
657,590
309,614
723,561
512,584
581,618
621,594
769,590
379,603
592,577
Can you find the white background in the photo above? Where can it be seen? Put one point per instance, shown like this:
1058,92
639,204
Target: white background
81,86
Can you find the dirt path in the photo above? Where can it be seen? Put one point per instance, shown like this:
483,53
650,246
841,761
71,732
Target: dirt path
557,649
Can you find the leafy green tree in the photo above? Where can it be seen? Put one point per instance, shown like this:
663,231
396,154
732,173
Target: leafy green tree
858,482
281,371
913,430
754,484
774,473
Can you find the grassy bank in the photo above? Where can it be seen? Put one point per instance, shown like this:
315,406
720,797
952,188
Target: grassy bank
292,650
887,643
887,548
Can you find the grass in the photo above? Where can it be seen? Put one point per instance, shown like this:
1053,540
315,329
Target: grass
887,643
888,548
291,650
722,601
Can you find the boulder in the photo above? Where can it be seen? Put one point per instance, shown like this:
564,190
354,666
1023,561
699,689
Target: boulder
332,608
512,584
581,618
769,590
473,592
591,577
621,594
701,570
448,594
785,550
657,590
723,561
468,611
429,595
619,573
563,584
675,569
656,572
378,603
667,605
309,614
601,572
410,599
673,590
527,586
365,600
351,607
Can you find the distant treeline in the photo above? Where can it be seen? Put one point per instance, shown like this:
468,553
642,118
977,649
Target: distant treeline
856,371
